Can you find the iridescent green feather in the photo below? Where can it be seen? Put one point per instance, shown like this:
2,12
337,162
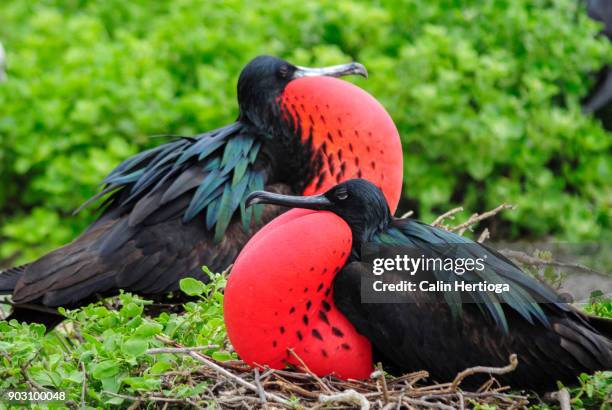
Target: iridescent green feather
226,157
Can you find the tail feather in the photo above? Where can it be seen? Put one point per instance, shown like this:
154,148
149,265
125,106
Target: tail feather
9,278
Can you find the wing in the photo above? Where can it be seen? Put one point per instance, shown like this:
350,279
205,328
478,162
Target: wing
525,294
151,259
216,168
411,336
278,297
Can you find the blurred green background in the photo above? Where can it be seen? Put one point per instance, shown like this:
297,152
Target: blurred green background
486,96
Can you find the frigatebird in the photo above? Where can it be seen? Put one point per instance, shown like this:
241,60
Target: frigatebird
174,208
298,285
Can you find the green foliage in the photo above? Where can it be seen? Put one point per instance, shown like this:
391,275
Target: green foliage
594,391
485,95
600,305
107,350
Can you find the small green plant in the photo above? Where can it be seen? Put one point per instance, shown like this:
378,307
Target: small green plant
599,305
106,351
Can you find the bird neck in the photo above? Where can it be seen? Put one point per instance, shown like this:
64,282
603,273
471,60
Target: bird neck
288,158
367,233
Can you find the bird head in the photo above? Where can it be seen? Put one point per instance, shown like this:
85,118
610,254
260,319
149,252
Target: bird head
359,202
264,78
322,130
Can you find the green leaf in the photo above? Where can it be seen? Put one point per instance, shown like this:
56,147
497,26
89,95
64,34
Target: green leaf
135,346
106,369
160,367
221,356
148,329
192,287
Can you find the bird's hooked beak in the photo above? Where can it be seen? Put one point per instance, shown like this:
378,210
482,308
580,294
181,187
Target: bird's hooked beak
317,202
332,71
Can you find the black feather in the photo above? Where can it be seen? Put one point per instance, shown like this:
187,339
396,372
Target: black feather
9,278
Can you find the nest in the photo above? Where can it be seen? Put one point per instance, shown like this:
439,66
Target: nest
236,385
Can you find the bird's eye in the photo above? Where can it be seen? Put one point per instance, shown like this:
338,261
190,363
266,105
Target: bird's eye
342,195
283,71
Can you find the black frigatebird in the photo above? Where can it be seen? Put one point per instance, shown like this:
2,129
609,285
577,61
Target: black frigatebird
171,209
298,284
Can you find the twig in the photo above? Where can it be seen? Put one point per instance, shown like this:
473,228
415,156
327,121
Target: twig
400,399
162,350
29,380
347,396
485,234
446,215
260,390
407,215
484,369
307,370
384,384
153,398
527,259
293,388
475,218
428,404
563,397
210,364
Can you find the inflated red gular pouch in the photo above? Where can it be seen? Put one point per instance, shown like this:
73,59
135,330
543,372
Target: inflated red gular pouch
279,296
351,129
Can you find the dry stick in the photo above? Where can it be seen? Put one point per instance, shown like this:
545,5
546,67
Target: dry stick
446,215
407,214
400,399
484,369
484,235
153,398
260,390
298,376
210,364
281,382
347,396
461,402
428,404
384,384
527,259
475,218
486,394
427,389
414,377
29,380
267,373
162,350
486,385
307,370
563,397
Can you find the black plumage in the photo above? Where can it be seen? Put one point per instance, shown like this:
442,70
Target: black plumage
174,208
436,331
